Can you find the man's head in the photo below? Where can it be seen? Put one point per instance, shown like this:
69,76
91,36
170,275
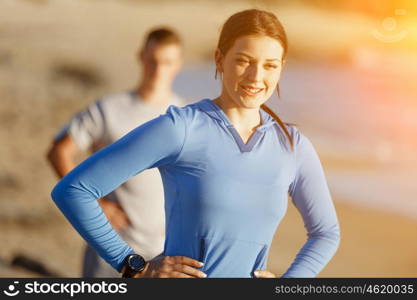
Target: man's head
161,56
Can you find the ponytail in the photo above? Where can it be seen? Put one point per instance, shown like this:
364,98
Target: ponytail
280,123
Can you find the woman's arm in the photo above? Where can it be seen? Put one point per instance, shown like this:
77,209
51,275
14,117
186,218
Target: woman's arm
155,143
311,196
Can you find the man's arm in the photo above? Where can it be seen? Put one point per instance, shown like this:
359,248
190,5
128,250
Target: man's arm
61,155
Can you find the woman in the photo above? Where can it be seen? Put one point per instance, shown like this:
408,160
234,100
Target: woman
227,166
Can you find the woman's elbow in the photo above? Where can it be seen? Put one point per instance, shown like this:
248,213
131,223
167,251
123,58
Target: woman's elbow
330,234
333,234
57,192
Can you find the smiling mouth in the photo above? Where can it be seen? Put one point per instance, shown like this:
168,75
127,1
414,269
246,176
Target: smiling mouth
253,91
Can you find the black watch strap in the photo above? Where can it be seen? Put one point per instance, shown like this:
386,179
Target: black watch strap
133,264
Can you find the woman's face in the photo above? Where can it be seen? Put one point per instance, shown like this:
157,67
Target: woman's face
251,70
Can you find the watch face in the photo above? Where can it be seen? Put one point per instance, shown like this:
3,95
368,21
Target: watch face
136,262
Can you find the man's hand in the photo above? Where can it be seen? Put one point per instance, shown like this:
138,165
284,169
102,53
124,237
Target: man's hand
115,213
264,274
172,267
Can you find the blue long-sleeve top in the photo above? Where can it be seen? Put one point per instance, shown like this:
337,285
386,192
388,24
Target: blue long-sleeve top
223,198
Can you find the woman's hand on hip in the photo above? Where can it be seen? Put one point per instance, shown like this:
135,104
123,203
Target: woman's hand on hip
172,267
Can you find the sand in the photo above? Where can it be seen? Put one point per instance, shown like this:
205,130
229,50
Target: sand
373,244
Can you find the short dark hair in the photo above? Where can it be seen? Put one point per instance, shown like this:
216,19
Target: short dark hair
162,36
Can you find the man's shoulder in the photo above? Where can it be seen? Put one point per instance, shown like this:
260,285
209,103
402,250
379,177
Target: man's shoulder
111,104
114,99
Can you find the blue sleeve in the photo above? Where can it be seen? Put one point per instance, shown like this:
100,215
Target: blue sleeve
311,196
154,144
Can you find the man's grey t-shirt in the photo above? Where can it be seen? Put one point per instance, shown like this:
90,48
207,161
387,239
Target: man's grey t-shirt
141,197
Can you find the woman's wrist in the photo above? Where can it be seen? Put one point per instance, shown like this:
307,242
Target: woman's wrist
141,274
133,264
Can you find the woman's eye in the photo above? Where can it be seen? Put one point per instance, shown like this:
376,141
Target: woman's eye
242,61
271,66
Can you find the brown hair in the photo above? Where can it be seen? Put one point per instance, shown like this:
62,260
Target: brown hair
255,22
162,36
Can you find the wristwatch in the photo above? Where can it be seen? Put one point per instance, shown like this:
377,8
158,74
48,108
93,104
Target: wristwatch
133,264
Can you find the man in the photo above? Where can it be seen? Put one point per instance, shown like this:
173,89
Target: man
136,208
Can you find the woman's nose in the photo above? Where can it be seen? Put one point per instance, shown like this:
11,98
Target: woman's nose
255,73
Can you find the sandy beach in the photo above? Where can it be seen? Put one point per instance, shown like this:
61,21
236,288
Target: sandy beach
374,244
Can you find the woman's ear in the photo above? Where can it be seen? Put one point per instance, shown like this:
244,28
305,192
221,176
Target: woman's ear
218,58
140,56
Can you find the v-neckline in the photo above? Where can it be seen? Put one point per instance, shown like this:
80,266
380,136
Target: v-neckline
244,147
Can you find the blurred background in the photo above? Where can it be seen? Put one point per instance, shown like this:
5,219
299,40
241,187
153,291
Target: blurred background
349,85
